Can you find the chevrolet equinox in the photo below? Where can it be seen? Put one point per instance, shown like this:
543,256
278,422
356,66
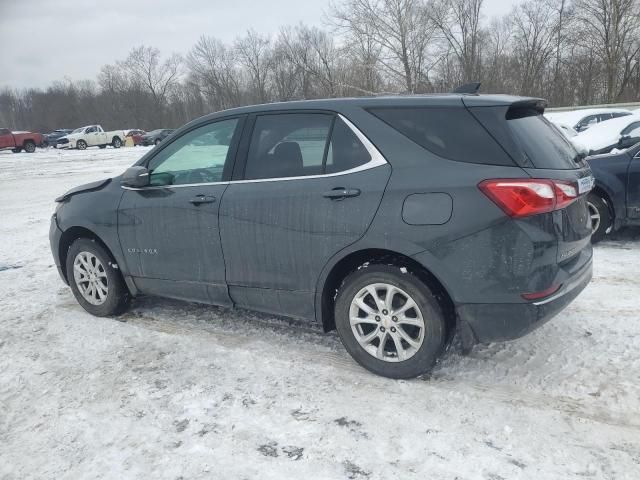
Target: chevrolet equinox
398,221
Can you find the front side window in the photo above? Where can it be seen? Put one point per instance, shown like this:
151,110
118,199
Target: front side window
301,144
198,156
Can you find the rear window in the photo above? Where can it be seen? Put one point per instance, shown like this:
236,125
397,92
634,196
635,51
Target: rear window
449,132
542,145
528,137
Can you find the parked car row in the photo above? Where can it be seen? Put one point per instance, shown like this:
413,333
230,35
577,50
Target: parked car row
80,138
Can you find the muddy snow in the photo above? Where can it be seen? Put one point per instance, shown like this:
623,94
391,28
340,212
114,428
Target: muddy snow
175,390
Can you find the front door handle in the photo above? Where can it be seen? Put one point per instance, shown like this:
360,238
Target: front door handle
340,192
198,199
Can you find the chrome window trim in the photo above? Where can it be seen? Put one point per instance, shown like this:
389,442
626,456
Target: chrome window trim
377,160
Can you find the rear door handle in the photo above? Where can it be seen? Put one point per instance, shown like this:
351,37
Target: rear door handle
340,192
198,199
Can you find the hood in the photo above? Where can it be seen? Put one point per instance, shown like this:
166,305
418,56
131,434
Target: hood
88,187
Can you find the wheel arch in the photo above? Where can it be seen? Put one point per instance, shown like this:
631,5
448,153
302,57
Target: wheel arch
603,193
69,236
331,281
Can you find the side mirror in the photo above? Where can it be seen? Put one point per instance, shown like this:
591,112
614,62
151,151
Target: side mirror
135,177
624,139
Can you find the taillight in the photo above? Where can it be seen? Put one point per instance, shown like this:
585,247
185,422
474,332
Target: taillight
524,197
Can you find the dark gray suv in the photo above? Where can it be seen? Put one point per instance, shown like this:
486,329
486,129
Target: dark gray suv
397,221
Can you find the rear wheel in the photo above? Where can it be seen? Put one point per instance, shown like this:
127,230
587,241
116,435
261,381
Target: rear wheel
600,215
96,284
81,145
16,150
102,146
389,321
29,146
116,142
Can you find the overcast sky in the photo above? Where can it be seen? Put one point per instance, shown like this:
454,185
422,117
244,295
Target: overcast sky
47,40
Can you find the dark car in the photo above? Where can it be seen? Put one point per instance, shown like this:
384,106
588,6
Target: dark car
155,136
615,200
397,221
52,138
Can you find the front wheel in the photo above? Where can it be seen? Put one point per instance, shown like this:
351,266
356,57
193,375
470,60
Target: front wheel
600,216
389,321
96,284
157,142
81,145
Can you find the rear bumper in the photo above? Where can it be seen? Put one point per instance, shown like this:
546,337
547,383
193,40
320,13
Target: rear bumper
507,321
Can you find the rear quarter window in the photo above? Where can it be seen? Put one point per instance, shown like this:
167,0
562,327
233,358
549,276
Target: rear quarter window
449,132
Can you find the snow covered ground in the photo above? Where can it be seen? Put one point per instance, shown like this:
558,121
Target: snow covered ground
175,390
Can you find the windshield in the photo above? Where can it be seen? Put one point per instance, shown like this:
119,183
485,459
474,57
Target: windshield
79,130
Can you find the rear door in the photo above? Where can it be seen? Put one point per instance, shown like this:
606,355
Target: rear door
310,186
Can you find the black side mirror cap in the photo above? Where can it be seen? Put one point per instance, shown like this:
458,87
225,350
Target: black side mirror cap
135,177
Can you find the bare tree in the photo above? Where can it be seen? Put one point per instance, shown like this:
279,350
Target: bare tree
145,66
458,21
213,68
255,54
612,28
534,32
402,28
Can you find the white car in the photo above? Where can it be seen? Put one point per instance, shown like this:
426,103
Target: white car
618,133
581,120
91,136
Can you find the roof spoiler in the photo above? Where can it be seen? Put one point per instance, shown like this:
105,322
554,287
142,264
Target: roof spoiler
471,88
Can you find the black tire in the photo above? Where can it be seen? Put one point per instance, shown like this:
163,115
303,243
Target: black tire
157,142
601,217
81,145
102,146
116,142
117,297
434,323
29,146
16,150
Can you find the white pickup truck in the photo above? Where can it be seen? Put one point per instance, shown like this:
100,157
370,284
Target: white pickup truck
91,136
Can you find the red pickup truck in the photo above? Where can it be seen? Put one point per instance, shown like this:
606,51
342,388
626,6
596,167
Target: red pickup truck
18,141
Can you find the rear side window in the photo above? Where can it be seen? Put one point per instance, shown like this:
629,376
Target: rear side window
302,144
449,132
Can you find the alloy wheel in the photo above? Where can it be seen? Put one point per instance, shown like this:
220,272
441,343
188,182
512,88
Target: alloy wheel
387,322
594,214
91,278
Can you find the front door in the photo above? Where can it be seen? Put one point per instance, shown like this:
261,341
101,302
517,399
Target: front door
169,230
311,187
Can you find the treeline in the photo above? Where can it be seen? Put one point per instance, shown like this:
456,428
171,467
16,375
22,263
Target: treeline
574,52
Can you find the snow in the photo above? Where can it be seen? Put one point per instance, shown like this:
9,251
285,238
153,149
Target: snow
177,390
604,134
573,117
